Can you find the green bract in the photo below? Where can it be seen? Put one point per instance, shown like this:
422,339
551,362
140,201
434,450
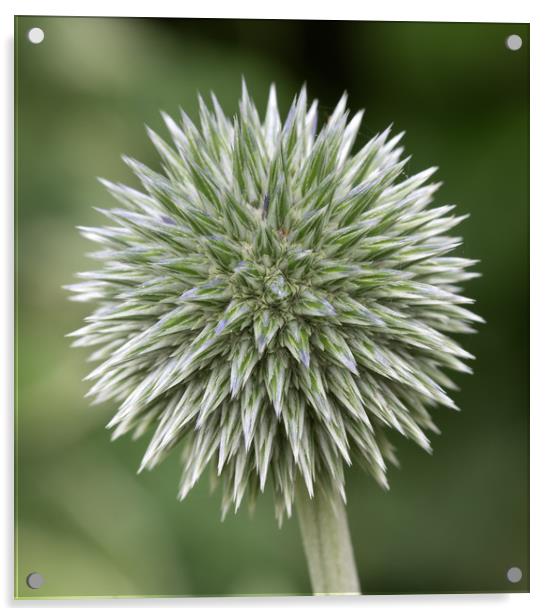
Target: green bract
275,302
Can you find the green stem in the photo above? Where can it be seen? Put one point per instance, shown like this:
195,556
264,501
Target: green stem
327,543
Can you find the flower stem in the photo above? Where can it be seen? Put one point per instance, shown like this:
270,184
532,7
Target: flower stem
327,543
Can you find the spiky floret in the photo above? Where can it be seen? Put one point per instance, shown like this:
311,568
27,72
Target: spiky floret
274,301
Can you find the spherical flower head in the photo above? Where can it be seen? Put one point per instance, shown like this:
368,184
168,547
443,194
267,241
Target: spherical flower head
275,302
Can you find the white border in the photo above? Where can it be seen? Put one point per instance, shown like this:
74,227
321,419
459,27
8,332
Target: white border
541,304
401,10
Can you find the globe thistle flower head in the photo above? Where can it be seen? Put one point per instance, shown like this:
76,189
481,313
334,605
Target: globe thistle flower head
274,302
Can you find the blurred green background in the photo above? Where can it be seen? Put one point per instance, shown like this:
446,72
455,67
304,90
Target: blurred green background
452,522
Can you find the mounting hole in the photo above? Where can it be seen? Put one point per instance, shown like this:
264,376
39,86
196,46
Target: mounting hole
514,575
35,580
514,42
36,35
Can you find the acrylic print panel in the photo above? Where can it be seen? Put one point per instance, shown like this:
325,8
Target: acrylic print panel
324,288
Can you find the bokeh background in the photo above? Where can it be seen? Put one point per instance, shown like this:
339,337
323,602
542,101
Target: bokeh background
455,521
